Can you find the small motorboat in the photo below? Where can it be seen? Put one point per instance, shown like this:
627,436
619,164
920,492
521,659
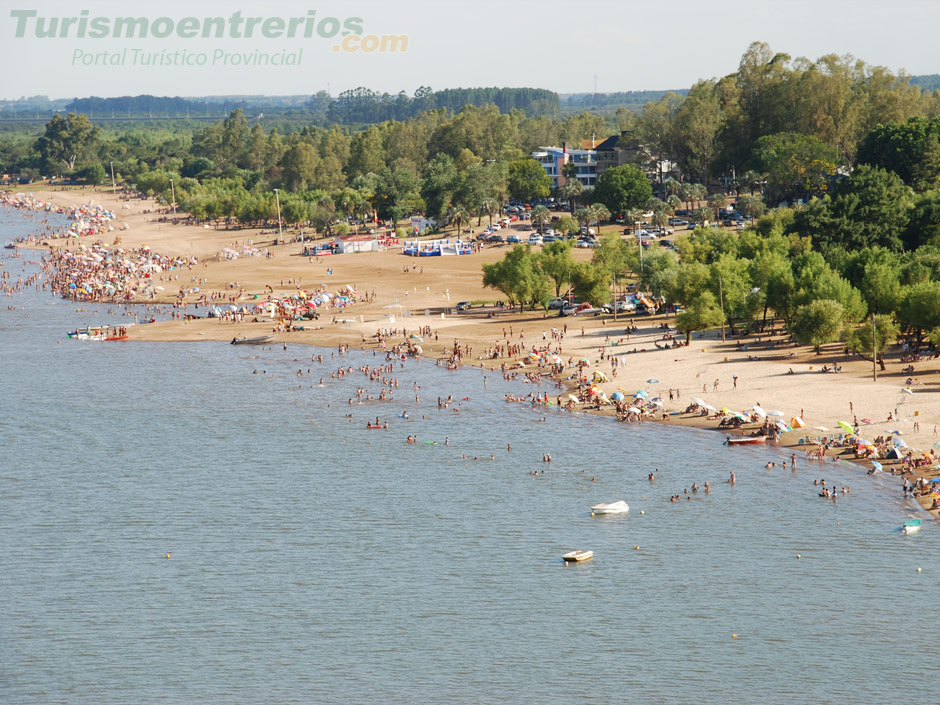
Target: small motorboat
618,507
258,340
912,526
745,441
578,556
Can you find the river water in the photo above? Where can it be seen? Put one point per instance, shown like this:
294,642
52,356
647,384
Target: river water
313,560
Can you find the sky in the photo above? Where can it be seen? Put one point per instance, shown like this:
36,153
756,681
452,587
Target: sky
573,46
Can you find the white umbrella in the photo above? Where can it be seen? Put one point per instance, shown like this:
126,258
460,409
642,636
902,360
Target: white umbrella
709,407
698,401
760,412
775,413
820,428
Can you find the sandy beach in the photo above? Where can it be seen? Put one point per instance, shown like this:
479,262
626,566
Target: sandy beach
413,293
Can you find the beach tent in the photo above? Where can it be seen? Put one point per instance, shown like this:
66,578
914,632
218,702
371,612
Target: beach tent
894,453
797,422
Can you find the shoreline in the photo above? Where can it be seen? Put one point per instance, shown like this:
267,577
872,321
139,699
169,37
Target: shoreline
426,289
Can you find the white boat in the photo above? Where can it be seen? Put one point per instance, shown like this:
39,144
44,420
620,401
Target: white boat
618,507
259,340
578,556
912,526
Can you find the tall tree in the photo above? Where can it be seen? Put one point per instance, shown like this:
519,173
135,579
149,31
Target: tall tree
65,140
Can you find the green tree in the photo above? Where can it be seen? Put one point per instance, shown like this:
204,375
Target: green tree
366,153
920,309
590,283
817,323
527,180
702,313
556,262
396,193
440,183
860,339
299,165
65,140
621,188
796,165
94,174
518,276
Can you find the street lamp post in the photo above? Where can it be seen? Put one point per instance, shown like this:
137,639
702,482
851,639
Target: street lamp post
173,193
280,232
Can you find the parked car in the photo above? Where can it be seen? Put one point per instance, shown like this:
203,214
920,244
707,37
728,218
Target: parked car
535,239
549,238
621,307
513,239
587,242
464,306
557,303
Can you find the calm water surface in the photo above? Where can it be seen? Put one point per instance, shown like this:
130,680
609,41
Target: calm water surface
313,560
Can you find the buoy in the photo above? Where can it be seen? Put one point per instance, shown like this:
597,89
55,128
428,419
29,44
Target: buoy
798,555
642,512
636,548
734,636
918,569
168,556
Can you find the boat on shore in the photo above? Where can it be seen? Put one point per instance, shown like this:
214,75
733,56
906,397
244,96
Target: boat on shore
618,507
912,526
98,333
578,556
257,340
746,441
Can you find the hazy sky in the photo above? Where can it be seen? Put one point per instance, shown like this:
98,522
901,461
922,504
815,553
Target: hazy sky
627,45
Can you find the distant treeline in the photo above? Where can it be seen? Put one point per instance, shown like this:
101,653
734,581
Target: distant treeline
361,105
927,82
631,100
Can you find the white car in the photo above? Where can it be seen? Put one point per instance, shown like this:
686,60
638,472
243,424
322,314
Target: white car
535,239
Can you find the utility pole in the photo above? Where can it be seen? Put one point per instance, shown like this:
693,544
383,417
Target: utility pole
113,185
173,192
874,362
280,232
721,303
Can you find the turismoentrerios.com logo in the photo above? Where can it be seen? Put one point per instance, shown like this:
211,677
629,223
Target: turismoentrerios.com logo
348,32
30,24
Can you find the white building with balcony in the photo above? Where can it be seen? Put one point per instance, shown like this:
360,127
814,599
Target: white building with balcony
553,159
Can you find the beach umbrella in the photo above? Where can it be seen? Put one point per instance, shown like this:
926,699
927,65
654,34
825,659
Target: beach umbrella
633,410
709,407
900,443
775,413
698,401
641,393
908,391
759,411
937,446
657,402
652,381
863,442
820,428
617,396
573,398
876,465
846,426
